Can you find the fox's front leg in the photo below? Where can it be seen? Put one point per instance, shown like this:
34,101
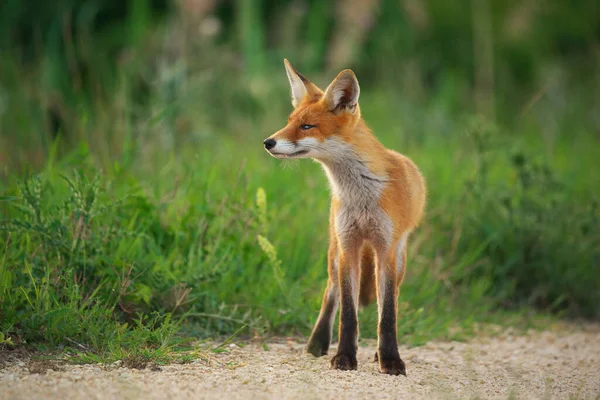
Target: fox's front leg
345,359
390,271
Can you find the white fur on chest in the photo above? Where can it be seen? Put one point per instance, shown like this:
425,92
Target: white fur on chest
358,191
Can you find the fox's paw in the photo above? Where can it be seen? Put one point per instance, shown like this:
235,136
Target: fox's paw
392,366
318,344
344,362
317,348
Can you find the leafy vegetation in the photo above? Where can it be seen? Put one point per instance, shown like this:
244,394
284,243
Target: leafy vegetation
143,210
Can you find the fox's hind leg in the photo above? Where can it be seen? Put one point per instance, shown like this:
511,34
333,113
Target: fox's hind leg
320,338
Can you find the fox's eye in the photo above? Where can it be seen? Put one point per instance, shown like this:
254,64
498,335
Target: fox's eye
306,127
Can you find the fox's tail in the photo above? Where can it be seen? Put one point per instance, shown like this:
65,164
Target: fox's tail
368,290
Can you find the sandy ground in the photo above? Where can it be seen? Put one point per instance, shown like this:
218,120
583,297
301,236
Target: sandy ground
561,365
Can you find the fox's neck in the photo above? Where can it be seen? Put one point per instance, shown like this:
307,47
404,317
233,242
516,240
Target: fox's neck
353,171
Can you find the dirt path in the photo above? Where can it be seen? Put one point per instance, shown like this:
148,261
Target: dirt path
539,365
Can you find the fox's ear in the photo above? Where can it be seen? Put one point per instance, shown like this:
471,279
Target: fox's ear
301,86
342,94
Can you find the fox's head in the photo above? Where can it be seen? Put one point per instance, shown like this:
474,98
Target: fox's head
320,120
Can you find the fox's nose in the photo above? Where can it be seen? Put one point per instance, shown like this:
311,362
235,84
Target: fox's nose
269,143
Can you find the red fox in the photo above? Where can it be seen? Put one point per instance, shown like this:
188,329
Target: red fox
378,198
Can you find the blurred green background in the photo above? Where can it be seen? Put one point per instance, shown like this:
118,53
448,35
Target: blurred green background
138,204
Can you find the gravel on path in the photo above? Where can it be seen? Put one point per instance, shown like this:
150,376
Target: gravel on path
538,365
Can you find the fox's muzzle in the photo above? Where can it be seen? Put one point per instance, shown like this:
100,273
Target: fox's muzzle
269,143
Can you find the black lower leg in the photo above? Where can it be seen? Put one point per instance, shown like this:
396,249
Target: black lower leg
345,358
319,341
388,356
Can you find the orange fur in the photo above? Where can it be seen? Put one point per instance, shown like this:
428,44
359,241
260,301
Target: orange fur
378,199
